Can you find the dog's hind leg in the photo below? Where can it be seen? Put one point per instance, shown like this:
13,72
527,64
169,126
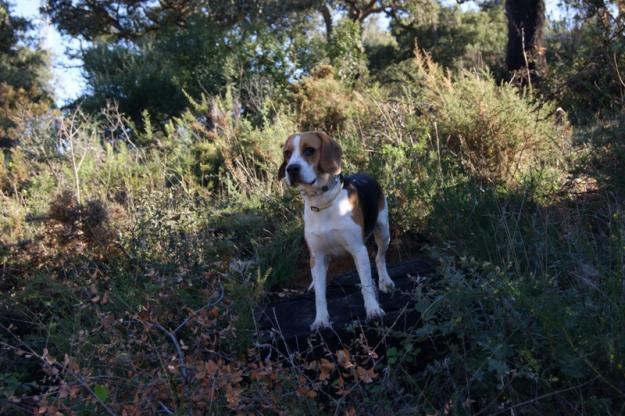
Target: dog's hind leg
382,236
367,286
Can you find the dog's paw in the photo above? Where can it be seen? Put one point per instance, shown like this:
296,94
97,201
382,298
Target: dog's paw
386,286
319,324
375,312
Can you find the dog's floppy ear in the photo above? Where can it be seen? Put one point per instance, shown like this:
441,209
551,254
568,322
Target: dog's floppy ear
281,169
331,154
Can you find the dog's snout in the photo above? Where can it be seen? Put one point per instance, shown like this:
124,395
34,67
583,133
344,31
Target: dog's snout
293,169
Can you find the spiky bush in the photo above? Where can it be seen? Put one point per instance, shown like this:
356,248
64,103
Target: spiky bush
322,101
495,132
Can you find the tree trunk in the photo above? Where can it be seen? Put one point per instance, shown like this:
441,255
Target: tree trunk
526,20
327,19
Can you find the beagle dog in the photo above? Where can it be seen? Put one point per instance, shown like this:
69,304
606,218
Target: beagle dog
340,213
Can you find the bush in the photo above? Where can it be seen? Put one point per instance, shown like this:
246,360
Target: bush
454,38
494,132
586,61
346,51
602,154
322,102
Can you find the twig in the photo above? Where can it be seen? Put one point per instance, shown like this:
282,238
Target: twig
527,66
181,359
589,364
290,358
84,384
165,408
618,73
129,256
210,304
438,153
174,340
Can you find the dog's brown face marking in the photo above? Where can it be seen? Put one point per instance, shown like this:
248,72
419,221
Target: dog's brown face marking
317,149
287,150
310,148
331,154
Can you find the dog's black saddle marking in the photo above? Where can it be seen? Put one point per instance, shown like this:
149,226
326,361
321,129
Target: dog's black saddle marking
369,194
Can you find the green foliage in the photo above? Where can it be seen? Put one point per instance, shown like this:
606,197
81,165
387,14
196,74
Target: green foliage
153,72
510,337
586,58
380,46
346,51
496,134
602,154
322,101
23,70
453,38
151,76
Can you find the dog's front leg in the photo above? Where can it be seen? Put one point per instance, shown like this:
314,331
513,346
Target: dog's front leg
361,259
319,269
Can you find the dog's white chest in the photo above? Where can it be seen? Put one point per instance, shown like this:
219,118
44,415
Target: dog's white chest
333,230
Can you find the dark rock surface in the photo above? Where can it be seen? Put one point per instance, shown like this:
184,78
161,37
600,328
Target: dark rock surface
284,325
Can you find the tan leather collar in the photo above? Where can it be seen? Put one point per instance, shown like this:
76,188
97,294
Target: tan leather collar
339,187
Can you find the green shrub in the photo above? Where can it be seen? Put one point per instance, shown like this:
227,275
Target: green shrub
586,61
228,154
385,139
322,102
514,342
346,51
455,38
601,154
495,133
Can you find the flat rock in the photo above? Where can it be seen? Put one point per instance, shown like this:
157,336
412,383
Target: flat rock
285,323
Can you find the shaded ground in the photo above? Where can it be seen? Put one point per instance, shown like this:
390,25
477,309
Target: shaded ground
285,323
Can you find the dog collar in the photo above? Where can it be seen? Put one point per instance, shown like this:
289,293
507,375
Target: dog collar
337,180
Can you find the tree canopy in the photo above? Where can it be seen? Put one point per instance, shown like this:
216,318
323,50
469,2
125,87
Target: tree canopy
152,56
23,68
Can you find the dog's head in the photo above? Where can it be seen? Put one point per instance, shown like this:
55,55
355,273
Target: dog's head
310,158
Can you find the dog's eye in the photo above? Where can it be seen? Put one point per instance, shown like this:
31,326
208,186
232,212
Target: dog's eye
287,154
309,151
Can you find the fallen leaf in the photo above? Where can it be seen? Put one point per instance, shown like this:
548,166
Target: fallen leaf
325,369
344,359
365,375
233,395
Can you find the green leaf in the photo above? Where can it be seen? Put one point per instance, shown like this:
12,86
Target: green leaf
392,355
101,392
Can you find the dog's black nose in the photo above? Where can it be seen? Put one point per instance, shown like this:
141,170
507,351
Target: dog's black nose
293,169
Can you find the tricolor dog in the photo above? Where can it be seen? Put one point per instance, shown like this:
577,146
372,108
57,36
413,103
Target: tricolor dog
340,213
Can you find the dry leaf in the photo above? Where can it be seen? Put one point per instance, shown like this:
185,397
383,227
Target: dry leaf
325,369
350,411
365,375
233,395
306,392
344,359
